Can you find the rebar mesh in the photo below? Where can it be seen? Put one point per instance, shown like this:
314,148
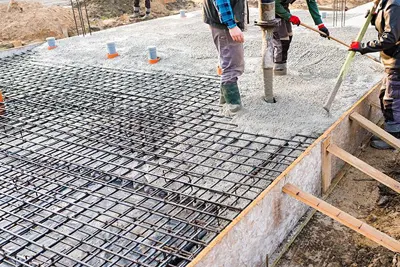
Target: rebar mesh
100,167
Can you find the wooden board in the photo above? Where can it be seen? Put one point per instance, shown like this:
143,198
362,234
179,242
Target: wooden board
376,130
326,165
364,167
343,218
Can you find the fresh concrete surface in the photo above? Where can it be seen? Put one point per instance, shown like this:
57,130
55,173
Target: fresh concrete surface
18,50
185,46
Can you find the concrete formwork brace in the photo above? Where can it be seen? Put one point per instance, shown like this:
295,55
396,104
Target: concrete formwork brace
329,149
373,128
261,228
343,217
364,167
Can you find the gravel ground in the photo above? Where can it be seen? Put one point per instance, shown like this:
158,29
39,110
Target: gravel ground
185,46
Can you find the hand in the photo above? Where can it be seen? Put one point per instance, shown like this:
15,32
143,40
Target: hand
237,34
323,29
373,18
295,20
355,46
368,12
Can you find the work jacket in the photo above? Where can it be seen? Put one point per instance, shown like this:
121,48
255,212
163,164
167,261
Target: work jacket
212,17
282,10
387,23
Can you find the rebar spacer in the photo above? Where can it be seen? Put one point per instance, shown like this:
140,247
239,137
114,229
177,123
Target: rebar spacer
112,50
110,56
51,42
154,61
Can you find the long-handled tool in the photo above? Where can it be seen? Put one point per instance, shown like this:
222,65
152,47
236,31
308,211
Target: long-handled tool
334,39
349,59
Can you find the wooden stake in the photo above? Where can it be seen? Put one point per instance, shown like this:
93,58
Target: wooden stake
376,130
326,165
343,218
364,167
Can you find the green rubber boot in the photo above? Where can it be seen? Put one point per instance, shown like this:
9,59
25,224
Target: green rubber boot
221,97
231,95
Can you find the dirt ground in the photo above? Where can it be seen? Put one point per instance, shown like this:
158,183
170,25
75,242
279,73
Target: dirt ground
324,242
30,22
33,22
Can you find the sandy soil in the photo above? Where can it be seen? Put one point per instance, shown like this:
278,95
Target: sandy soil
33,21
324,242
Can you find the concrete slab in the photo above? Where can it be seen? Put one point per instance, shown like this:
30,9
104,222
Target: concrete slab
185,47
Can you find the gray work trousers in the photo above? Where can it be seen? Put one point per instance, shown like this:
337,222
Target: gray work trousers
283,35
390,101
231,55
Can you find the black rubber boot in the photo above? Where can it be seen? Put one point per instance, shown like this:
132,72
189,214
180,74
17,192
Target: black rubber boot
280,69
378,143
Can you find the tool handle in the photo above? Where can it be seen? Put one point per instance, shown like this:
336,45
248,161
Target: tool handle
334,39
349,59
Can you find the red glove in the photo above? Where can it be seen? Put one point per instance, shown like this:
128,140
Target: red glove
356,47
323,29
294,20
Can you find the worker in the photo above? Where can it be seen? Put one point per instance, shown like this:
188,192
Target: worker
387,23
283,31
136,9
226,19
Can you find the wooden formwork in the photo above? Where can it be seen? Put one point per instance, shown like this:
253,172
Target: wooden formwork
258,231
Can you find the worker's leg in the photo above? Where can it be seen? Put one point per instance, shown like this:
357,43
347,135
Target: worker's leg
286,40
390,104
148,8
231,55
136,9
281,41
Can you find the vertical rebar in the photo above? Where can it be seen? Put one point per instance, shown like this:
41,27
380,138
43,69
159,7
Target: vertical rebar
78,2
73,13
87,17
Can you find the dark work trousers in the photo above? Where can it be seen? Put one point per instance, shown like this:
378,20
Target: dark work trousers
146,2
283,35
231,55
390,100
